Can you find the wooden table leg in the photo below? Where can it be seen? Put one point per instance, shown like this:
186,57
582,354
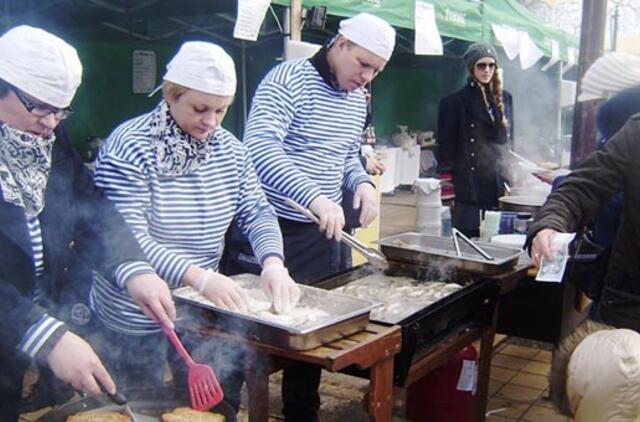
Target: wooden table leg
381,390
484,366
257,379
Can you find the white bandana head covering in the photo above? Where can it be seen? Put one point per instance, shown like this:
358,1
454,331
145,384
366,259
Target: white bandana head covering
371,33
203,66
40,64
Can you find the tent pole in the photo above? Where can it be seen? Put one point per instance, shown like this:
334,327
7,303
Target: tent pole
295,20
583,137
243,51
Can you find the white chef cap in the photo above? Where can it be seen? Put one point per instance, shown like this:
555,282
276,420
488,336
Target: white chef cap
40,64
371,33
203,66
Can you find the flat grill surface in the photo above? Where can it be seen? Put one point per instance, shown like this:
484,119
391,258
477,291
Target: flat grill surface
470,306
148,405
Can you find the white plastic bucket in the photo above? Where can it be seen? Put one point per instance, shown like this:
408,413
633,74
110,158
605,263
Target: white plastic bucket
428,205
434,229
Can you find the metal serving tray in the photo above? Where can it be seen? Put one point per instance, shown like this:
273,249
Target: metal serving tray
425,250
347,315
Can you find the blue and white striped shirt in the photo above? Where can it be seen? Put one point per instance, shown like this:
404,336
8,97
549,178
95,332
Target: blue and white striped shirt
178,220
304,137
38,334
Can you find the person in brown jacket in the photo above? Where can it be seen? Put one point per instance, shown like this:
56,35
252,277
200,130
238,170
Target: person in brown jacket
615,168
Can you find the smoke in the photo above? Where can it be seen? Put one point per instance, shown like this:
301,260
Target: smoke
536,109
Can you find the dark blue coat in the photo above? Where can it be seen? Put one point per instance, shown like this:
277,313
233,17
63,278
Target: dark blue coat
81,230
471,144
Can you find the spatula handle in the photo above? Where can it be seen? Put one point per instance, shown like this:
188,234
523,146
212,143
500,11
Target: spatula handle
173,338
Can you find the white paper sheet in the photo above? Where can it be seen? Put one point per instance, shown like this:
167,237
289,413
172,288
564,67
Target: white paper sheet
529,51
572,56
251,13
509,38
427,38
144,71
555,55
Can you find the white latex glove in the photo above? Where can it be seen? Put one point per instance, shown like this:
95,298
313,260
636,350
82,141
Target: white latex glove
541,246
366,200
153,296
74,361
223,291
280,288
331,216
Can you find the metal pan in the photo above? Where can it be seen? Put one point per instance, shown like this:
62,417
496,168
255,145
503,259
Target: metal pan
425,250
346,315
147,405
522,203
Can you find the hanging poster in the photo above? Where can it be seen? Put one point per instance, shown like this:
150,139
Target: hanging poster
144,71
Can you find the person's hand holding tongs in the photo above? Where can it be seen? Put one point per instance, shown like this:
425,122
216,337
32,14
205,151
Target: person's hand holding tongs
373,256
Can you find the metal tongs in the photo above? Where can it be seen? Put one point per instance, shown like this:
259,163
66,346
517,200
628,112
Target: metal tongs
457,233
374,257
120,399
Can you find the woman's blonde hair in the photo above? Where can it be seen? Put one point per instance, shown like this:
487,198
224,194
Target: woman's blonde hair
171,90
496,89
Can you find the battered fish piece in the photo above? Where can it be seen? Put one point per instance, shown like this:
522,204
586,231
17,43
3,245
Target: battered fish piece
187,414
99,417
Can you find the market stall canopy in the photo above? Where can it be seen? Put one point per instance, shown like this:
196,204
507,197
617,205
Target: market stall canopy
610,74
468,20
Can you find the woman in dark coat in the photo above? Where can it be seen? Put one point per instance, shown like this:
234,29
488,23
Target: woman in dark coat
475,128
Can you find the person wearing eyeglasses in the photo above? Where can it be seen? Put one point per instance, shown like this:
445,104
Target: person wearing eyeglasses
475,127
56,228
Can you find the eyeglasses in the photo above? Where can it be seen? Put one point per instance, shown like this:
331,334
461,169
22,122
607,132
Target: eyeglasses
483,66
40,109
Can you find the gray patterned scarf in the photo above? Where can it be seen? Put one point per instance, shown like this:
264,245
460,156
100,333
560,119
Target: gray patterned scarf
25,163
177,153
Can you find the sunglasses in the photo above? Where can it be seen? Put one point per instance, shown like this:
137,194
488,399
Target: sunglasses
41,109
483,66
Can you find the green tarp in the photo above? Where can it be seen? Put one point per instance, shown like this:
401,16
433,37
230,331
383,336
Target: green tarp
468,20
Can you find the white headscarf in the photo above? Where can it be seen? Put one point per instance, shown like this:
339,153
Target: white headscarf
47,68
40,64
371,33
203,66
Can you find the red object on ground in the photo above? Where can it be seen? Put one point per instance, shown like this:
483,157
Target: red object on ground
436,397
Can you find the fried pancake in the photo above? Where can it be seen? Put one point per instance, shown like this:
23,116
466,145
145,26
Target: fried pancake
187,414
99,417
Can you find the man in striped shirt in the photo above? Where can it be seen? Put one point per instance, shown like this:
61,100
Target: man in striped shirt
55,226
303,133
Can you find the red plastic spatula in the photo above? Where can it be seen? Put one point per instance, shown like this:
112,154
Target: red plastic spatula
204,388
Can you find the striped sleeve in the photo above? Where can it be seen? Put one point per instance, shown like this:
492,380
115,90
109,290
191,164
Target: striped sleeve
354,173
271,114
38,334
256,217
125,271
126,185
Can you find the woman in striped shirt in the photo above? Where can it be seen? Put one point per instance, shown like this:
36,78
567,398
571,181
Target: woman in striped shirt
179,179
